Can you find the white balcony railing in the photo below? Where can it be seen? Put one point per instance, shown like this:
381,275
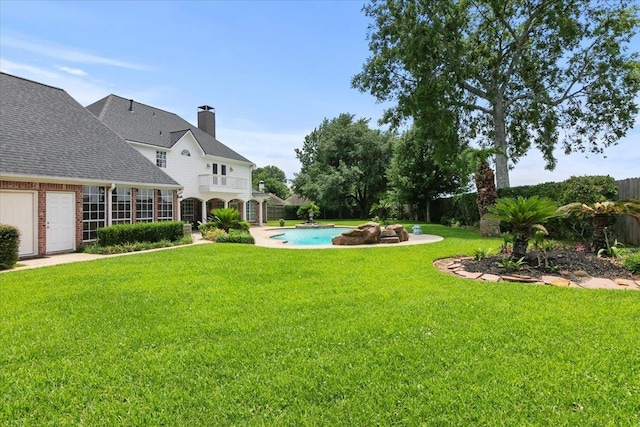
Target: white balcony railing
222,183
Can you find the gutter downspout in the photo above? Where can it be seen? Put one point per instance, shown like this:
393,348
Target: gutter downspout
109,204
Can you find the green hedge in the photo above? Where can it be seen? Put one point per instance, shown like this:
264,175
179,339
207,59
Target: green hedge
463,209
236,237
9,244
142,232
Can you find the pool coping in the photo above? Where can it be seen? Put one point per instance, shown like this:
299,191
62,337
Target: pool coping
262,236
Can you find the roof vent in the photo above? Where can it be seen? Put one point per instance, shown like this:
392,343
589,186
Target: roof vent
131,105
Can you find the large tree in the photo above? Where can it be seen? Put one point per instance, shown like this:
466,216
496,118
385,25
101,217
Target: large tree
521,73
343,164
416,178
274,178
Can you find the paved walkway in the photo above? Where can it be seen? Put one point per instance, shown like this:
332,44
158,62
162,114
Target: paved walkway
78,257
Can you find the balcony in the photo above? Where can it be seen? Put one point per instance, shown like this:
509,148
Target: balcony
222,184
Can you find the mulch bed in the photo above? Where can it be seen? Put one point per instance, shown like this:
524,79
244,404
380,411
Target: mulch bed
572,265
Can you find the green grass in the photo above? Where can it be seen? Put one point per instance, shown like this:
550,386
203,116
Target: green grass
242,335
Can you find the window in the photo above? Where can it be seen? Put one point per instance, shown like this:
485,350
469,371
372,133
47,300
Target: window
165,205
161,159
214,168
93,212
251,210
188,210
223,169
144,205
186,153
121,206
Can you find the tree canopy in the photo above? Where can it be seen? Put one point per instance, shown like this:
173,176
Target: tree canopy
415,178
274,178
515,74
343,164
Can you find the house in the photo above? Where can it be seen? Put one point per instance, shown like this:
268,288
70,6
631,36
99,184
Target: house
64,174
212,175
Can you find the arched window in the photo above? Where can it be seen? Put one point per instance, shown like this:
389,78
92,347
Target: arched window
186,153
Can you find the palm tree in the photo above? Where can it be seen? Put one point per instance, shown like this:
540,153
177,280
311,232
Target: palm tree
602,212
226,218
526,216
484,178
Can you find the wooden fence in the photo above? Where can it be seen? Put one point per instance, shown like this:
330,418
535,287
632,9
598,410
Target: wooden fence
627,229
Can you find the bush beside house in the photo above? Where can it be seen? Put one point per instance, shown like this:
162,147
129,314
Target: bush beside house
9,244
141,232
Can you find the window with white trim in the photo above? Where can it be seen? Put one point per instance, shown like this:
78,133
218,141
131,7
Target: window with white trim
161,159
121,206
185,153
251,210
165,205
93,212
144,205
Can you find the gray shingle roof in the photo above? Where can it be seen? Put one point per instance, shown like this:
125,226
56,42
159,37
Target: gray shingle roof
45,132
153,126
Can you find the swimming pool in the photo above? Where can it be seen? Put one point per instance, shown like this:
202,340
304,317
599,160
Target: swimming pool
310,236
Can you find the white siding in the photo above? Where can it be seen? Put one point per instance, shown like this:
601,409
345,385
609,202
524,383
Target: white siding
186,169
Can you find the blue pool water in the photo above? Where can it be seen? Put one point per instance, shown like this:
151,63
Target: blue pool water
310,236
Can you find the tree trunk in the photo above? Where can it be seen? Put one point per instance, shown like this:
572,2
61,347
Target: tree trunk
600,228
427,211
519,248
500,142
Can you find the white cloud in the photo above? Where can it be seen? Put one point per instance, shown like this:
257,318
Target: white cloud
66,53
74,71
266,148
620,162
82,90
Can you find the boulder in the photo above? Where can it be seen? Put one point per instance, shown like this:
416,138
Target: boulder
365,234
400,231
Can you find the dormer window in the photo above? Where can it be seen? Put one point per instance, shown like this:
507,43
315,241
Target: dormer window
186,153
161,159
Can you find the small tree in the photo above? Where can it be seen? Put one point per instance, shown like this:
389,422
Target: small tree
226,218
602,213
304,210
525,215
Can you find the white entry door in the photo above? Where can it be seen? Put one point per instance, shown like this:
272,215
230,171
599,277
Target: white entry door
18,209
61,216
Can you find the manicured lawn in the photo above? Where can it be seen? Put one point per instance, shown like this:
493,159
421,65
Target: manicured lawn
229,334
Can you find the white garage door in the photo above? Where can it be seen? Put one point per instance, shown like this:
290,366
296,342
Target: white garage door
18,209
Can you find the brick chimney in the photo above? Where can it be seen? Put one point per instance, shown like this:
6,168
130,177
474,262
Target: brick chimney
207,119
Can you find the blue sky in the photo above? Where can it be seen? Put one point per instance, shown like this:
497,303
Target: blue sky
273,70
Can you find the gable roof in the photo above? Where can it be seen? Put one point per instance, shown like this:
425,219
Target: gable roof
44,132
144,124
297,200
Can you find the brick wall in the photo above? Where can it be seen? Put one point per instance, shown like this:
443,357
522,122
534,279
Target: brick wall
42,188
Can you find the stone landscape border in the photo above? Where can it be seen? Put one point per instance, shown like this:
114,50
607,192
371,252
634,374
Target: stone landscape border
454,266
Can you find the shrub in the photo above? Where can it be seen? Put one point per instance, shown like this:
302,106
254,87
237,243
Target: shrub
142,232
212,233
525,215
9,244
236,237
225,218
631,262
481,253
304,210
